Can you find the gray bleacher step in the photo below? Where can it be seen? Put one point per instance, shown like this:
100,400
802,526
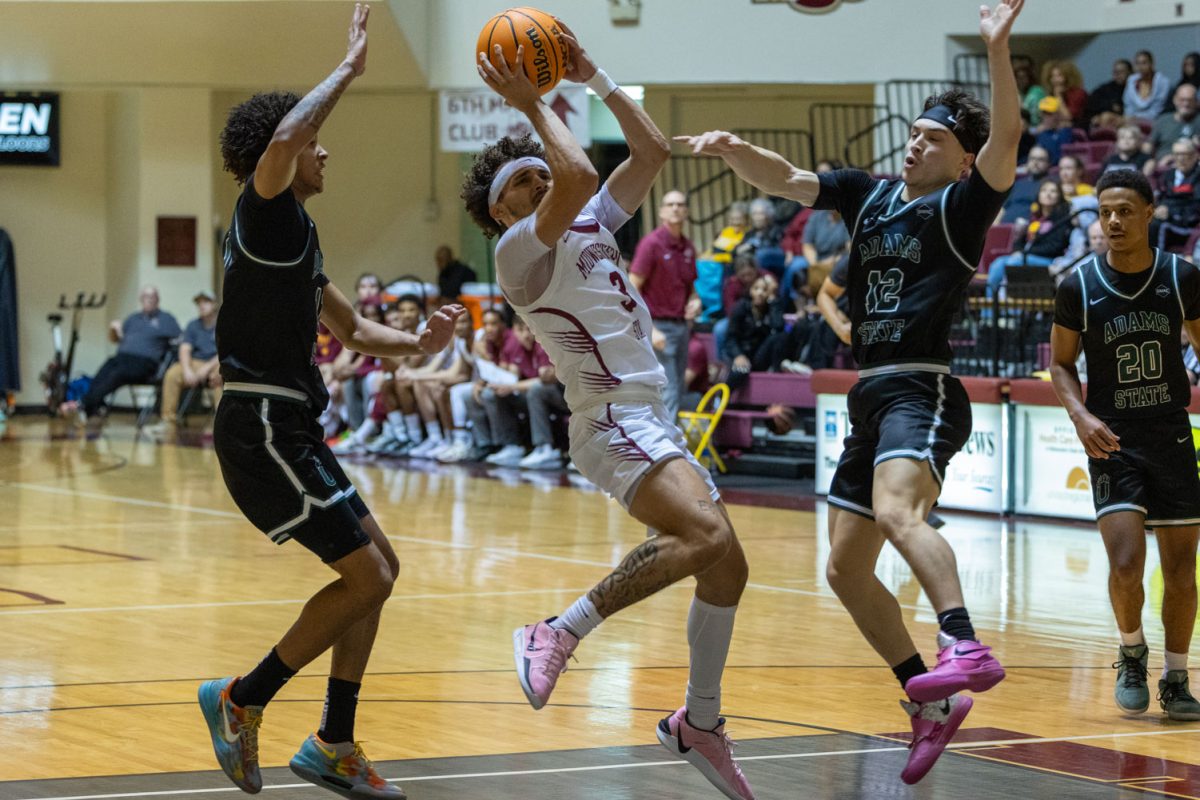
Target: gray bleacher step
770,465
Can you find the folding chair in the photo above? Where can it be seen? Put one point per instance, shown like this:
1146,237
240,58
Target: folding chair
701,425
155,385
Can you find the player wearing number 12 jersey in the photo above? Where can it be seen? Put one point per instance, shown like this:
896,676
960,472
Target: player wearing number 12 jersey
1127,311
915,243
559,267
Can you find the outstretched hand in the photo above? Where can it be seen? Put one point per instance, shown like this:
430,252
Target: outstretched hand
712,143
439,329
509,80
995,24
356,51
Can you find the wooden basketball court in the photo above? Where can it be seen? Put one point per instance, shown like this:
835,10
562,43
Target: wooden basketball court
127,576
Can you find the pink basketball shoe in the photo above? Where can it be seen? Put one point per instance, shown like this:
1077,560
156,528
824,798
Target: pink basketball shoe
711,752
541,654
962,665
933,726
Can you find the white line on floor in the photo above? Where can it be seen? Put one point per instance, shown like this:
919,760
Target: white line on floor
628,765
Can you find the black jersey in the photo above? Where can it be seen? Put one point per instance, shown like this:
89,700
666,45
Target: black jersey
910,264
1130,324
271,300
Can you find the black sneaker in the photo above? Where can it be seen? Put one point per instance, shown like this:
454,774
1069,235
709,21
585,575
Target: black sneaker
1175,699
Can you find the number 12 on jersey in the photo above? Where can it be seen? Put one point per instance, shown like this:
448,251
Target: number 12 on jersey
883,291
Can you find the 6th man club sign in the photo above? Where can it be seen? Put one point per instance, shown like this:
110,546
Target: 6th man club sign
808,6
29,129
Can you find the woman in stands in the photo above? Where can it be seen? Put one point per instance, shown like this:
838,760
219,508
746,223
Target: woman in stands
1064,82
1030,91
1043,238
1071,177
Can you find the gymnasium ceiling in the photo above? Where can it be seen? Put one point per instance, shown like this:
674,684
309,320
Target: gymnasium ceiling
239,44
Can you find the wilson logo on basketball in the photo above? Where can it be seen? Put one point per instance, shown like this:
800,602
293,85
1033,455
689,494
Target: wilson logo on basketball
808,6
541,59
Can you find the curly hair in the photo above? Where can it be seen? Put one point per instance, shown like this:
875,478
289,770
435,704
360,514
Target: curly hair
249,128
974,119
478,181
1132,179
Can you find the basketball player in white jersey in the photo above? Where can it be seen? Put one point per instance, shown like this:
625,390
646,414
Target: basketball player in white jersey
559,267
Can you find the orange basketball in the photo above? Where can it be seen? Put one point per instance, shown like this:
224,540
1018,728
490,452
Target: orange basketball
545,48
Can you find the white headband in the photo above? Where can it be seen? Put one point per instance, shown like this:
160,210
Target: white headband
508,170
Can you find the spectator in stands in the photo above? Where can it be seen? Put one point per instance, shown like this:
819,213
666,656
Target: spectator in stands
1064,83
545,398
1025,190
835,325
745,272
1045,236
197,366
1106,103
1171,126
368,286
759,339
1147,91
1071,177
1057,128
142,341
1030,91
825,240
1084,244
698,376
504,401
1189,76
737,222
764,238
491,341
433,385
795,277
452,274
664,271
360,378
1178,210
1128,154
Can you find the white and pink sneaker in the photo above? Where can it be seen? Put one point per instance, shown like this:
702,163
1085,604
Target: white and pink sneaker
541,654
711,752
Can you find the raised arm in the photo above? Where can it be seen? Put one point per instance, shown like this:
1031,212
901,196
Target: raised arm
649,150
574,179
997,161
277,166
757,166
361,335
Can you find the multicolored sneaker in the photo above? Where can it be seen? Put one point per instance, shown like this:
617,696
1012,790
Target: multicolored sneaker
541,654
234,733
964,665
711,752
933,726
1175,699
342,768
1131,692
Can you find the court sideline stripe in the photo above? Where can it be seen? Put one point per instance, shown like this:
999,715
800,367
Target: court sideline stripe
966,746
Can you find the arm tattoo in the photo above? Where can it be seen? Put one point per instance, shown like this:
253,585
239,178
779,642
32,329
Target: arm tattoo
639,575
315,106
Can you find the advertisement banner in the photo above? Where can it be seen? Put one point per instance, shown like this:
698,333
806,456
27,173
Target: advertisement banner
29,129
471,119
1052,467
975,479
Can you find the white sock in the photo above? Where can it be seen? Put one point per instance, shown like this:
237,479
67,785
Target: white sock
434,429
709,630
1133,639
1175,661
396,420
461,435
368,429
412,423
580,619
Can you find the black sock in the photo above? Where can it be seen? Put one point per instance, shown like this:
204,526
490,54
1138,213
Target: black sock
341,701
956,622
262,683
907,670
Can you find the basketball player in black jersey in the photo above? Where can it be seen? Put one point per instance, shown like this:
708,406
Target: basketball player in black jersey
275,464
915,245
1126,310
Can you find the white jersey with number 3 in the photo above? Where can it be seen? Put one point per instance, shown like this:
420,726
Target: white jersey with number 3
591,320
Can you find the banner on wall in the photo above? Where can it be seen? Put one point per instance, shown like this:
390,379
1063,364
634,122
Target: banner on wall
975,478
1052,466
471,119
29,129
807,6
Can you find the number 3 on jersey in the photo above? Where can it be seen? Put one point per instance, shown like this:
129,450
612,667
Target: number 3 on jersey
883,291
616,280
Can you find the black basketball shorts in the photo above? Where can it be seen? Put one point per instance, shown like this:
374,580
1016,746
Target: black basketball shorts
1154,472
283,476
924,416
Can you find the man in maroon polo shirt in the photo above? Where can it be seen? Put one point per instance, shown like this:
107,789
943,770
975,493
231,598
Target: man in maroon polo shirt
664,271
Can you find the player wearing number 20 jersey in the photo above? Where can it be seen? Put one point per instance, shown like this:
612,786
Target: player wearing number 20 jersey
1130,326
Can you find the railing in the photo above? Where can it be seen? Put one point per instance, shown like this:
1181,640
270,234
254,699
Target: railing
834,127
1004,337
971,68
